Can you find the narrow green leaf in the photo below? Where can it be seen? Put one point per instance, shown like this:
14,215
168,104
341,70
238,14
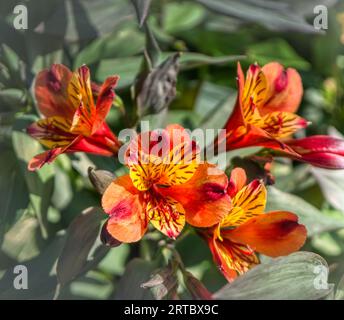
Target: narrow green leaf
82,248
142,10
273,17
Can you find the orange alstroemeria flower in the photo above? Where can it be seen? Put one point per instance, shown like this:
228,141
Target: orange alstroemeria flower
246,229
72,121
264,111
167,186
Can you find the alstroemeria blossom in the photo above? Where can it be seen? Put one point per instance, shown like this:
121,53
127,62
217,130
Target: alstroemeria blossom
166,186
72,121
264,111
246,229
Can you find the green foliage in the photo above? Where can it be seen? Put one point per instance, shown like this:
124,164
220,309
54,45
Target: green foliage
43,221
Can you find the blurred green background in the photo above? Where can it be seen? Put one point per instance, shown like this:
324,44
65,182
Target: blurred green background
39,211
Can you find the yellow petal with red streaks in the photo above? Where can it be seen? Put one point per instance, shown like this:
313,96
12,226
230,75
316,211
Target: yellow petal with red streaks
180,165
254,94
232,258
250,201
282,124
145,170
52,132
166,215
80,94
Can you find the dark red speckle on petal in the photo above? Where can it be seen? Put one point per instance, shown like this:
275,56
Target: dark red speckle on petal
53,81
213,191
281,82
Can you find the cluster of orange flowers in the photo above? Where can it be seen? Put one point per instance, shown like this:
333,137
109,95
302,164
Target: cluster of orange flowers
171,188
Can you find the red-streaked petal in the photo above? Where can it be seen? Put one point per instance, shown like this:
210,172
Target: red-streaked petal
273,234
52,132
51,92
121,200
254,94
254,136
203,197
282,124
285,89
237,181
41,159
232,258
104,101
80,95
166,215
250,201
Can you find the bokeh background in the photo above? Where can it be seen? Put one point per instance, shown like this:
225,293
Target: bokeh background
39,211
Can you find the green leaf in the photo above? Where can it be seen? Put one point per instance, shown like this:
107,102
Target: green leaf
276,16
314,220
142,10
22,241
299,276
182,16
214,104
82,248
332,185
127,68
41,274
14,197
126,41
276,50
190,60
138,271
40,183
340,290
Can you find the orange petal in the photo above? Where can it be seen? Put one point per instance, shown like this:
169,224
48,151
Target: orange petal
104,101
121,200
166,215
285,89
282,124
273,234
250,201
203,197
237,181
232,258
51,92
